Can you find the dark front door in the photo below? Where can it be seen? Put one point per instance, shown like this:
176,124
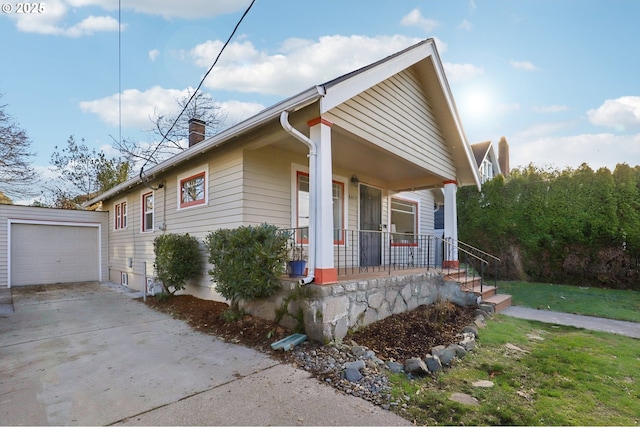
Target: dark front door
370,225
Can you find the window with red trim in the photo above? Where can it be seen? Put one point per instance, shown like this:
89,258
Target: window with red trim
303,213
193,190
404,222
147,212
120,216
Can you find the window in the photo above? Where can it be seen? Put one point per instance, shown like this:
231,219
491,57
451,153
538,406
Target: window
404,222
121,216
193,190
303,214
147,212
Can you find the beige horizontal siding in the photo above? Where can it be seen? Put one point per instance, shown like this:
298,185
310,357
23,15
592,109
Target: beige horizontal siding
396,116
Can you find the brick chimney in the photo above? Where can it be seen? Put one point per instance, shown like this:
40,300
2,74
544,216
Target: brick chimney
503,156
196,131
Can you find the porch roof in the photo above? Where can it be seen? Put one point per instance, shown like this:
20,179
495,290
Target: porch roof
329,95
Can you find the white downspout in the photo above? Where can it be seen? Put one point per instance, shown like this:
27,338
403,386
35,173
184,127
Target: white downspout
284,121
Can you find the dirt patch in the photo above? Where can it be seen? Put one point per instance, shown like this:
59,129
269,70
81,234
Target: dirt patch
398,337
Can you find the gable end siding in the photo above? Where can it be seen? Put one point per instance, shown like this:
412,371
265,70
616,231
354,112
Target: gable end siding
397,117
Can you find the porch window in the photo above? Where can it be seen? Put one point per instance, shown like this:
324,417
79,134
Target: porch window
147,212
404,222
303,214
121,216
193,190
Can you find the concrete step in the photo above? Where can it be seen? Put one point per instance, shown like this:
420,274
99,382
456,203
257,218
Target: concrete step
499,301
486,291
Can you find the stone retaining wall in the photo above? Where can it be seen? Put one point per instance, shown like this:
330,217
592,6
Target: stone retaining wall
331,311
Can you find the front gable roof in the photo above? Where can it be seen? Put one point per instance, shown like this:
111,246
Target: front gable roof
422,55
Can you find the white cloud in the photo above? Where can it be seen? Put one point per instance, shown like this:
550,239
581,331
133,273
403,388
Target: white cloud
460,72
170,8
55,18
543,109
621,113
138,107
415,19
544,129
297,65
153,54
507,108
523,65
597,150
465,25
238,111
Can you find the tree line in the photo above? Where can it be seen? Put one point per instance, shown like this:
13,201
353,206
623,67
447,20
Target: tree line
573,226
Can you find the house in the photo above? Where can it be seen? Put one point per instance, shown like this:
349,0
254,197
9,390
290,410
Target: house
348,164
489,163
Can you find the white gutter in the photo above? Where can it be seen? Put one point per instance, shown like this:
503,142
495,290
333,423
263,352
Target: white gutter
284,121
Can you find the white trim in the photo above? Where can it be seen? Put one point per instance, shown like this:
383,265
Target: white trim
295,168
193,172
406,198
115,207
11,221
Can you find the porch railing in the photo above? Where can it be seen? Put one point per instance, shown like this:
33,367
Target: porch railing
362,251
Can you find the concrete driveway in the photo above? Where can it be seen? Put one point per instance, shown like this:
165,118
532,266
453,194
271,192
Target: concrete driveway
89,354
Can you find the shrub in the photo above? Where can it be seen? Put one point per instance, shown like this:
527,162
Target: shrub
178,259
247,261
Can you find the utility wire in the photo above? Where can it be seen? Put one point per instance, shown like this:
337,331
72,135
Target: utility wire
164,137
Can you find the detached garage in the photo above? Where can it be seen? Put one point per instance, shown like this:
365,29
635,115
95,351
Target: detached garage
46,246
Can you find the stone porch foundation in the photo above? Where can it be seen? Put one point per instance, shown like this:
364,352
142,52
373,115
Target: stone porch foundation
329,312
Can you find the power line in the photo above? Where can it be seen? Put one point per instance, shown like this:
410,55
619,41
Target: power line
164,136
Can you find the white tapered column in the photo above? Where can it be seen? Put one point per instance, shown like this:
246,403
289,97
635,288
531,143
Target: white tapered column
320,133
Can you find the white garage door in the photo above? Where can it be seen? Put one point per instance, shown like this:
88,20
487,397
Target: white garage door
42,254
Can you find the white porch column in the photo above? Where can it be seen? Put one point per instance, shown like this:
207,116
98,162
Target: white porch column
320,133
450,226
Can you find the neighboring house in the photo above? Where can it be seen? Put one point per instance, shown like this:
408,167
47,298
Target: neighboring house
342,161
486,160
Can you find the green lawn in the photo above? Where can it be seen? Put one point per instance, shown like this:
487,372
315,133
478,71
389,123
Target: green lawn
607,303
562,376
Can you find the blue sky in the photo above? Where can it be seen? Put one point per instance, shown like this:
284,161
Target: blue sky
559,79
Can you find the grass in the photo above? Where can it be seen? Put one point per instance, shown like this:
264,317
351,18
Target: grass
563,376
607,303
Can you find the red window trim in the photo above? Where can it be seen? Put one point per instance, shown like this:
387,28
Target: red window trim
306,241
193,202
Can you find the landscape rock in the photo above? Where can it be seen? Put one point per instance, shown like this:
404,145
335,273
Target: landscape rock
468,341
437,350
352,375
465,399
415,365
433,363
471,330
447,356
357,365
483,384
394,367
480,322
458,349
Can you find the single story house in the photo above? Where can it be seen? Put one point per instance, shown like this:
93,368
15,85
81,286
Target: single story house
349,164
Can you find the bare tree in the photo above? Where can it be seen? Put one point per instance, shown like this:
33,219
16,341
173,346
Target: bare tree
173,130
84,173
16,174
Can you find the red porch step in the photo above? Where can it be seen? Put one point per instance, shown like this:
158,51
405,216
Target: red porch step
499,301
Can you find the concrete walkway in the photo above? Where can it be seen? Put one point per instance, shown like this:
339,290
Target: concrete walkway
89,354
629,329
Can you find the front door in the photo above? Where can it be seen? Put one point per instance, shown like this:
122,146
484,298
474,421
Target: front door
370,225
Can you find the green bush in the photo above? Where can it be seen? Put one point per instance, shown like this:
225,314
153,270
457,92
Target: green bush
247,261
178,259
